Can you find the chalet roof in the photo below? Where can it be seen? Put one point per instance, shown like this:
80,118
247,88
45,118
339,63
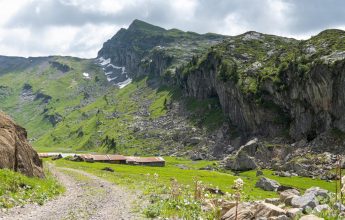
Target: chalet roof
103,157
145,159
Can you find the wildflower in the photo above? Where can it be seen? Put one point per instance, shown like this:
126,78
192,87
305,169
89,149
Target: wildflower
238,184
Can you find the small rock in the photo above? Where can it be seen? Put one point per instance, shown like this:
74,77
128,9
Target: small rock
108,169
320,208
274,201
214,191
310,217
259,173
294,212
339,206
281,217
267,184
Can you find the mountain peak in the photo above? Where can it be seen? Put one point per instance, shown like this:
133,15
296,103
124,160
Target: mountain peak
142,25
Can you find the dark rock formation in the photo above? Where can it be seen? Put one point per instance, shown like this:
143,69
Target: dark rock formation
60,66
15,151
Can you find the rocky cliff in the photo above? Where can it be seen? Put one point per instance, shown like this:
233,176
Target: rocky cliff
269,85
147,49
15,152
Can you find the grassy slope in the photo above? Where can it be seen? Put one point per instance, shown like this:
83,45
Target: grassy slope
85,128
64,88
17,189
131,176
91,110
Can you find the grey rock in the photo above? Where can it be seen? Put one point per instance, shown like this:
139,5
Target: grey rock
310,217
267,210
317,191
280,217
274,201
259,173
294,212
320,208
240,162
288,193
304,201
267,184
339,206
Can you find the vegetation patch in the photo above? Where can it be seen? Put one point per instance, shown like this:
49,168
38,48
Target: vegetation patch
17,189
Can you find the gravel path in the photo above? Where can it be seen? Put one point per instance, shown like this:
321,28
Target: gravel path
86,197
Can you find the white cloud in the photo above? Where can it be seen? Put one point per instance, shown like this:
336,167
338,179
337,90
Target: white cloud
80,27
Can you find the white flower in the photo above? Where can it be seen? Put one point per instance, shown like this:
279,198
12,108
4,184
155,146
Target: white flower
239,183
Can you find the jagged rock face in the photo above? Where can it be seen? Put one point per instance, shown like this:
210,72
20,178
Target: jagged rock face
15,151
147,49
308,106
301,100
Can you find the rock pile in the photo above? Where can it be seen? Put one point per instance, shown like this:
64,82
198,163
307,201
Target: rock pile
290,205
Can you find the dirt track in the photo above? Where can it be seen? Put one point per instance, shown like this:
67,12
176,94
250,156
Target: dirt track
86,197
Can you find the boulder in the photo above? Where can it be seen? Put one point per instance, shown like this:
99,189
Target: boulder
244,212
310,217
309,198
267,184
240,162
304,201
317,191
226,206
250,147
287,195
264,209
15,151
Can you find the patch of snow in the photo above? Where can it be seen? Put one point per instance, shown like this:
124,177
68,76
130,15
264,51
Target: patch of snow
86,76
124,83
111,79
104,62
112,75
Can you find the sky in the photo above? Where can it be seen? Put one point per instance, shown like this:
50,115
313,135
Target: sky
80,27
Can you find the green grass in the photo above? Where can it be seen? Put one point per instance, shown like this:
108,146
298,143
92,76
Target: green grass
129,176
17,189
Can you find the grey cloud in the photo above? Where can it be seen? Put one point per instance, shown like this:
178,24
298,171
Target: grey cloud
299,17
316,15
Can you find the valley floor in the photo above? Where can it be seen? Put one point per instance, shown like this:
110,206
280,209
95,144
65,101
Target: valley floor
86,197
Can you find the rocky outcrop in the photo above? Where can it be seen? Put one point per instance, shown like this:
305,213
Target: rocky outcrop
15,151
146,49
308,106
267,184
